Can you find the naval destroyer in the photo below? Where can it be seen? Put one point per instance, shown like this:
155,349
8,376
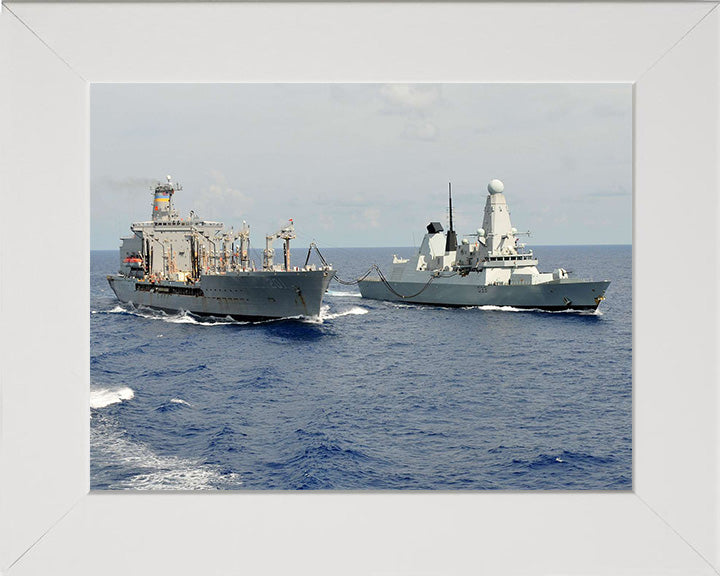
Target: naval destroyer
488,268
190,264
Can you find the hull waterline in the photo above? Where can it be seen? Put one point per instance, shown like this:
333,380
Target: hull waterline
550,296
242,296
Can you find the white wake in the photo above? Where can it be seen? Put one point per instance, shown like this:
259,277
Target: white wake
354,311
342,294
179,401
151,471
325,314
102,397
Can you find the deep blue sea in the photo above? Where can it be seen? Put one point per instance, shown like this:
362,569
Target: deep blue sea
372,395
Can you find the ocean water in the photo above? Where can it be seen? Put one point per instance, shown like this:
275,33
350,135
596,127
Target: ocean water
370,395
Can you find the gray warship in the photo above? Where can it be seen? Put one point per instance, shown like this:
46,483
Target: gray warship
493,269
190,264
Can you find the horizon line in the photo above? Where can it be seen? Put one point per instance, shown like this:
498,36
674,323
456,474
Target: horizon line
404,247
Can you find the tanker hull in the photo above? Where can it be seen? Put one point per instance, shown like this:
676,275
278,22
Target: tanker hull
240,295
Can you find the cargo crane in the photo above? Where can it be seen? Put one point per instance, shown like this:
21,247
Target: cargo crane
286,233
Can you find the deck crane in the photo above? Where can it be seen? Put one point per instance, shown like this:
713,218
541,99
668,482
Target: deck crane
286,233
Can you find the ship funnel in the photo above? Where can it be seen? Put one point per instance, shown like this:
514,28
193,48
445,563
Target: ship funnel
162,201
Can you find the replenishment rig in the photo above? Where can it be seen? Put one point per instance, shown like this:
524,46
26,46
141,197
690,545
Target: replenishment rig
190,264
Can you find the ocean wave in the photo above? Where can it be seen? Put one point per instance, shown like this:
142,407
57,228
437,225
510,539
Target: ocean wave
102,397
493,308
181,317
179,401
146,470
187,318
173,404
354,311
576,460
341,294
325,314
420,306
314,457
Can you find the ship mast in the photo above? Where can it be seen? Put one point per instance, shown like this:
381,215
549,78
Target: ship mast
451,237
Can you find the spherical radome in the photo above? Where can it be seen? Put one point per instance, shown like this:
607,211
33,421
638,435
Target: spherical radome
496,186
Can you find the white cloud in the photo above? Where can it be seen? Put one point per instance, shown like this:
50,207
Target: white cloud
421,131
372,217
130,183
323,154
220,200
326,221
409,98
367,218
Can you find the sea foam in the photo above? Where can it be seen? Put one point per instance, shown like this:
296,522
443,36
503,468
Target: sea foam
342,294
147,470
102,397
354,311
325,314
179,401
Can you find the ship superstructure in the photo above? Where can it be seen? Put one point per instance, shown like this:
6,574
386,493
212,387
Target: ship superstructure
174,263
494,268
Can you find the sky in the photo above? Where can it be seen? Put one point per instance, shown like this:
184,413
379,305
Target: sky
366,164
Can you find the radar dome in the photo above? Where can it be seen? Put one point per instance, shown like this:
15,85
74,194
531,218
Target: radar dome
513,230
496,186
480,232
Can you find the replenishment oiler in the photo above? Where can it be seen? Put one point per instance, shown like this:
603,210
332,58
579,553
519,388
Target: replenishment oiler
194,265
488,268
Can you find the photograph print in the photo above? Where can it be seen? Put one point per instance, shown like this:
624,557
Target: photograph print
361,287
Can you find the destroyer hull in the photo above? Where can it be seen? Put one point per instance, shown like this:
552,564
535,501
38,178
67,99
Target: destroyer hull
556,295
240,295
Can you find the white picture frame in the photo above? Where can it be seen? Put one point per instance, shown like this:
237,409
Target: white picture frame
50,523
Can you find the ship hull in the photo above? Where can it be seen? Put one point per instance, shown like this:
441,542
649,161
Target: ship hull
458,291
240,295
